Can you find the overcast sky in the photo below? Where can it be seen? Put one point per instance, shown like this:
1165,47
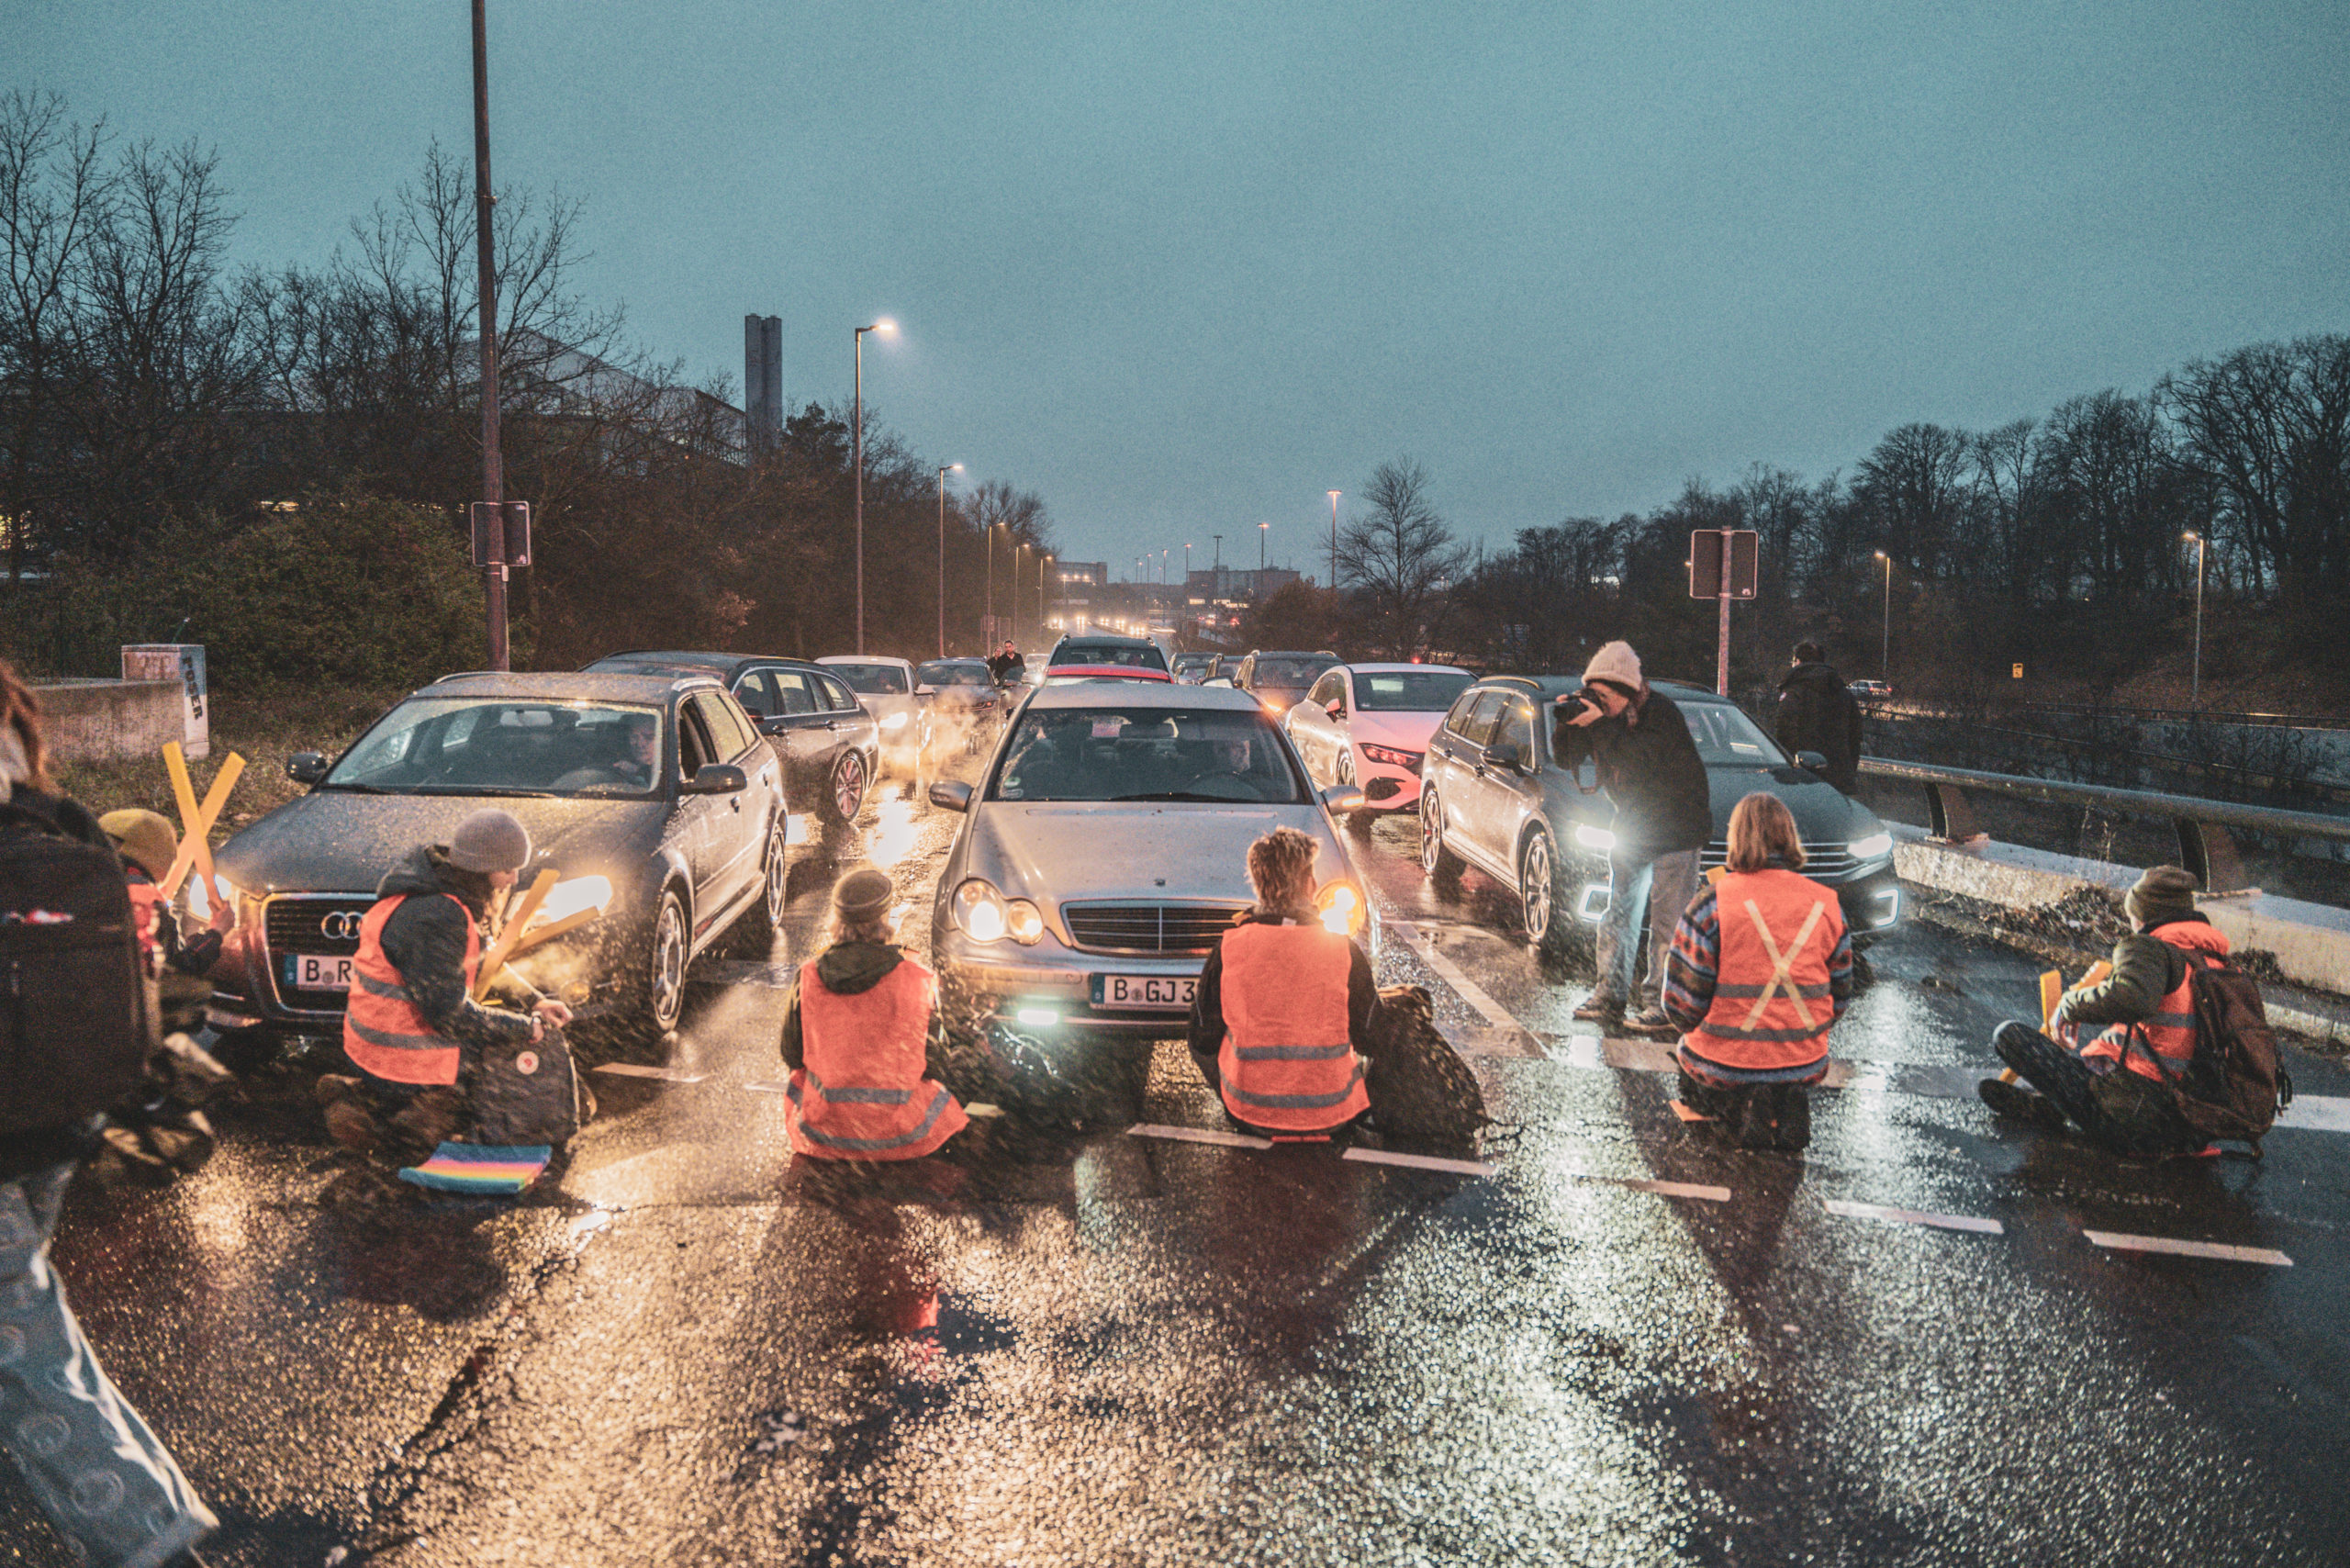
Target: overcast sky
1181,267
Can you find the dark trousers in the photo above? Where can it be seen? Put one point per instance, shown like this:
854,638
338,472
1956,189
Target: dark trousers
2120,1109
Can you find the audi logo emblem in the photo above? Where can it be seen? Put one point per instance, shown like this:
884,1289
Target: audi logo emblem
343,925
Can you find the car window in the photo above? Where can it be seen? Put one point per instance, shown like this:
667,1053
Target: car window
873,681
1325,690
1146,753
1456,722
727,735
469,746
1288,672
1484,719
1132,659
694,746
837,697
1409,691
952,672
756,692
1726,737
794,693
1517,729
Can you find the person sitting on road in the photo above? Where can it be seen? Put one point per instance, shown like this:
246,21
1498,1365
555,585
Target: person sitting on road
864,1041
2150,1016
148,847
411,1026
1760,966
1281,1023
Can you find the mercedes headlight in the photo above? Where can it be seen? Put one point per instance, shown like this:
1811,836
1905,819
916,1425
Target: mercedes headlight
1342,908
1025,920
1592,837
1875,847
980,911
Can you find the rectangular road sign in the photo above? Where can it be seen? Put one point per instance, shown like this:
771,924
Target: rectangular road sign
516,540
1706,564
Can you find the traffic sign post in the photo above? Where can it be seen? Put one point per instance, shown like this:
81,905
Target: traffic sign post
1722,566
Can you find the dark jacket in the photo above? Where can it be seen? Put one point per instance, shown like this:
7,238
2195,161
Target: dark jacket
22,1153
1648,765
1003,666
425,940
1208,1027
850,969
1816,713
2145,969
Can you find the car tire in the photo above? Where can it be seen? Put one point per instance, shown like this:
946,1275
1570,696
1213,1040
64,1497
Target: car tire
1552,928
755,928
844,793
1438,864
659,1000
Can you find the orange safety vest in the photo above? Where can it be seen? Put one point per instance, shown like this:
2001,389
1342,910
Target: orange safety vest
1287,1062
2169,1030
383,1031
1771,1006
859,1092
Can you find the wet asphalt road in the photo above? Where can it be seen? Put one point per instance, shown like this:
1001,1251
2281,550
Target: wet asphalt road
1102,1349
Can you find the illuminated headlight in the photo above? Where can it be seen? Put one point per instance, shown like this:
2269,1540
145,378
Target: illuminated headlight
1592,837
895,720
1025,920
1342,908
1039,1017
1875,847
980,911
1276,708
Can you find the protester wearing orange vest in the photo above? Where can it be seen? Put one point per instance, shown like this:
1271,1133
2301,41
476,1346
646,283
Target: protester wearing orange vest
862,1037
411,1021
2151,1028
148,847
1282,1020
1759,967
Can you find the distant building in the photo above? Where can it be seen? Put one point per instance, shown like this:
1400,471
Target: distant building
1216,585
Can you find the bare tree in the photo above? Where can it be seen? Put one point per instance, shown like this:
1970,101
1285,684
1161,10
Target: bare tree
1398,555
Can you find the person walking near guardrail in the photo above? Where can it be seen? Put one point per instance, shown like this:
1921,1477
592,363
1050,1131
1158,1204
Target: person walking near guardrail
1761,967
1648,765
2113,1086
1816,713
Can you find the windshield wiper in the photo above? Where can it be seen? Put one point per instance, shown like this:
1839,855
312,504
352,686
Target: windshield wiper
487,789
1194,795
356,789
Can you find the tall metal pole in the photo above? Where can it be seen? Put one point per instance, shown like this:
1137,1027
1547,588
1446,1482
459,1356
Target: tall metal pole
1334,539
857,445
1722,648
1042,562
942,557
1261,529
493,464
2195,699
1884,651
986,633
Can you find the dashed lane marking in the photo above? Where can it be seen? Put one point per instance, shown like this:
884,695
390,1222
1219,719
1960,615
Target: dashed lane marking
1420,1161
1663,1189
1915,1217
1504,1023
2317,1114
1198,1135
661,1075
2221,1250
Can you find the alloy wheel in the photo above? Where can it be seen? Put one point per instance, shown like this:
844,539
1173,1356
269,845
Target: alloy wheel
779,875
1431,831
1534,889
667,997
848,787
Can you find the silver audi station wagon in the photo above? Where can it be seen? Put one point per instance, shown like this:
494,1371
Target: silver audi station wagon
1105,852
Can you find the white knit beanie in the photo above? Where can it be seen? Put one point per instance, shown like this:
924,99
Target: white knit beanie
490,840
1616,662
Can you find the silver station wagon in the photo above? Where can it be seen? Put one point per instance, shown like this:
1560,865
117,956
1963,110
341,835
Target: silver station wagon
1105,853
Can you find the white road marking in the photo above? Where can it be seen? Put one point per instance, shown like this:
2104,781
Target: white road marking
1420,1161
1469,991
1664,1189
769,1086
2226,1254
2317,1114
663,1074
1915,1217
1198,1135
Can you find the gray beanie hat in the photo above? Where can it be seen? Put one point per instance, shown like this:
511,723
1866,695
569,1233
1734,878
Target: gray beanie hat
490,840
2161,893
864,894
1617,664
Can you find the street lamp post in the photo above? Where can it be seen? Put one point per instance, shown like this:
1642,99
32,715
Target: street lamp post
888,328
493,463
1043,564
986,633
1884,653
1014,616
943,470
1334,539
2195,698
1261,529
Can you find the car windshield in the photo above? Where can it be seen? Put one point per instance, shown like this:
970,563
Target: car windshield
1193,661
872,680
1134,659
1146,754
1295,672
939,673
1409,691
1728,738
506,745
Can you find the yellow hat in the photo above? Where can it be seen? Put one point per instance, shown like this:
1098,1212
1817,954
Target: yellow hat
145,839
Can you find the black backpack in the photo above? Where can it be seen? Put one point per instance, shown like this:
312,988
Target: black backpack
1421,1090
77,1020
2233,1087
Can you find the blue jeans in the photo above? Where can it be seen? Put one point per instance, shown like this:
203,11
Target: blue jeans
1656,890
110,1487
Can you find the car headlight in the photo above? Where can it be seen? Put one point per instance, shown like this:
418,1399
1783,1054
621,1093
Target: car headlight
1592,837
1342,908
980,911
1025,920
895,721
1874,846
1275,708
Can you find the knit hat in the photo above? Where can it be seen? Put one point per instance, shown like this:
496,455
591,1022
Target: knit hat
490,840
145,839
2162,893
1618,664
864,894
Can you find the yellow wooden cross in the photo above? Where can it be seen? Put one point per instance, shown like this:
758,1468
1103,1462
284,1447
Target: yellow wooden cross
511,935
195,822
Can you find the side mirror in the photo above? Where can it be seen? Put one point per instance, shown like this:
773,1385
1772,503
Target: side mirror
1505,755
307,766
716,778
1813,760
951,795
1344,798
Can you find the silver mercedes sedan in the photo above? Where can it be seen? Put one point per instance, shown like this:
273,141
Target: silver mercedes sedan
1105,851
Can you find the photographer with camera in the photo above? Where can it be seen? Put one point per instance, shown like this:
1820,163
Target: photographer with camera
1648,765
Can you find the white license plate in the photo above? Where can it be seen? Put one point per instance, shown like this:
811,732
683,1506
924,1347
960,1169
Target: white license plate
1160,992
316,971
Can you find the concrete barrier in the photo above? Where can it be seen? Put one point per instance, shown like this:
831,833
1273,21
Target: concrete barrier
111,720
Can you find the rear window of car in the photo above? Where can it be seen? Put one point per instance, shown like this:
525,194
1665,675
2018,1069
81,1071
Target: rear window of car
1409,691
1288,672
943,673
1112,653
874,680
1109,753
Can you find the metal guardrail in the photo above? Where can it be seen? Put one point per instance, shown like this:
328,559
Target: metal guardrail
2204,846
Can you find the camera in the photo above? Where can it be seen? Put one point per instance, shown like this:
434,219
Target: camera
1571,702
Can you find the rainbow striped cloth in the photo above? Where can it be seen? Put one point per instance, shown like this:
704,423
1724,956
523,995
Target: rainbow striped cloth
483,1168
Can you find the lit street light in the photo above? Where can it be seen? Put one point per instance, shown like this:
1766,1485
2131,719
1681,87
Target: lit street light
1043,561
986,633
888,328
2194,699
943,470
1334,539
1261,529
1884,656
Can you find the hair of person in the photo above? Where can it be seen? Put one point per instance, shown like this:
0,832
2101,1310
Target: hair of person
879,929
1809,653
1280,868
472,887
21,710
1761,830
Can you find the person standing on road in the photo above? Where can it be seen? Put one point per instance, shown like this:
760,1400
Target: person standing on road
411,1023
862,1037
1648,765
1007,664
1282,1019
103,1477
1816,713
2150,1018
1760,966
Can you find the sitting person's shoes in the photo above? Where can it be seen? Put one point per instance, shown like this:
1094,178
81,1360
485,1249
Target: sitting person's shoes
349,1125
1652,1022
2014,1102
